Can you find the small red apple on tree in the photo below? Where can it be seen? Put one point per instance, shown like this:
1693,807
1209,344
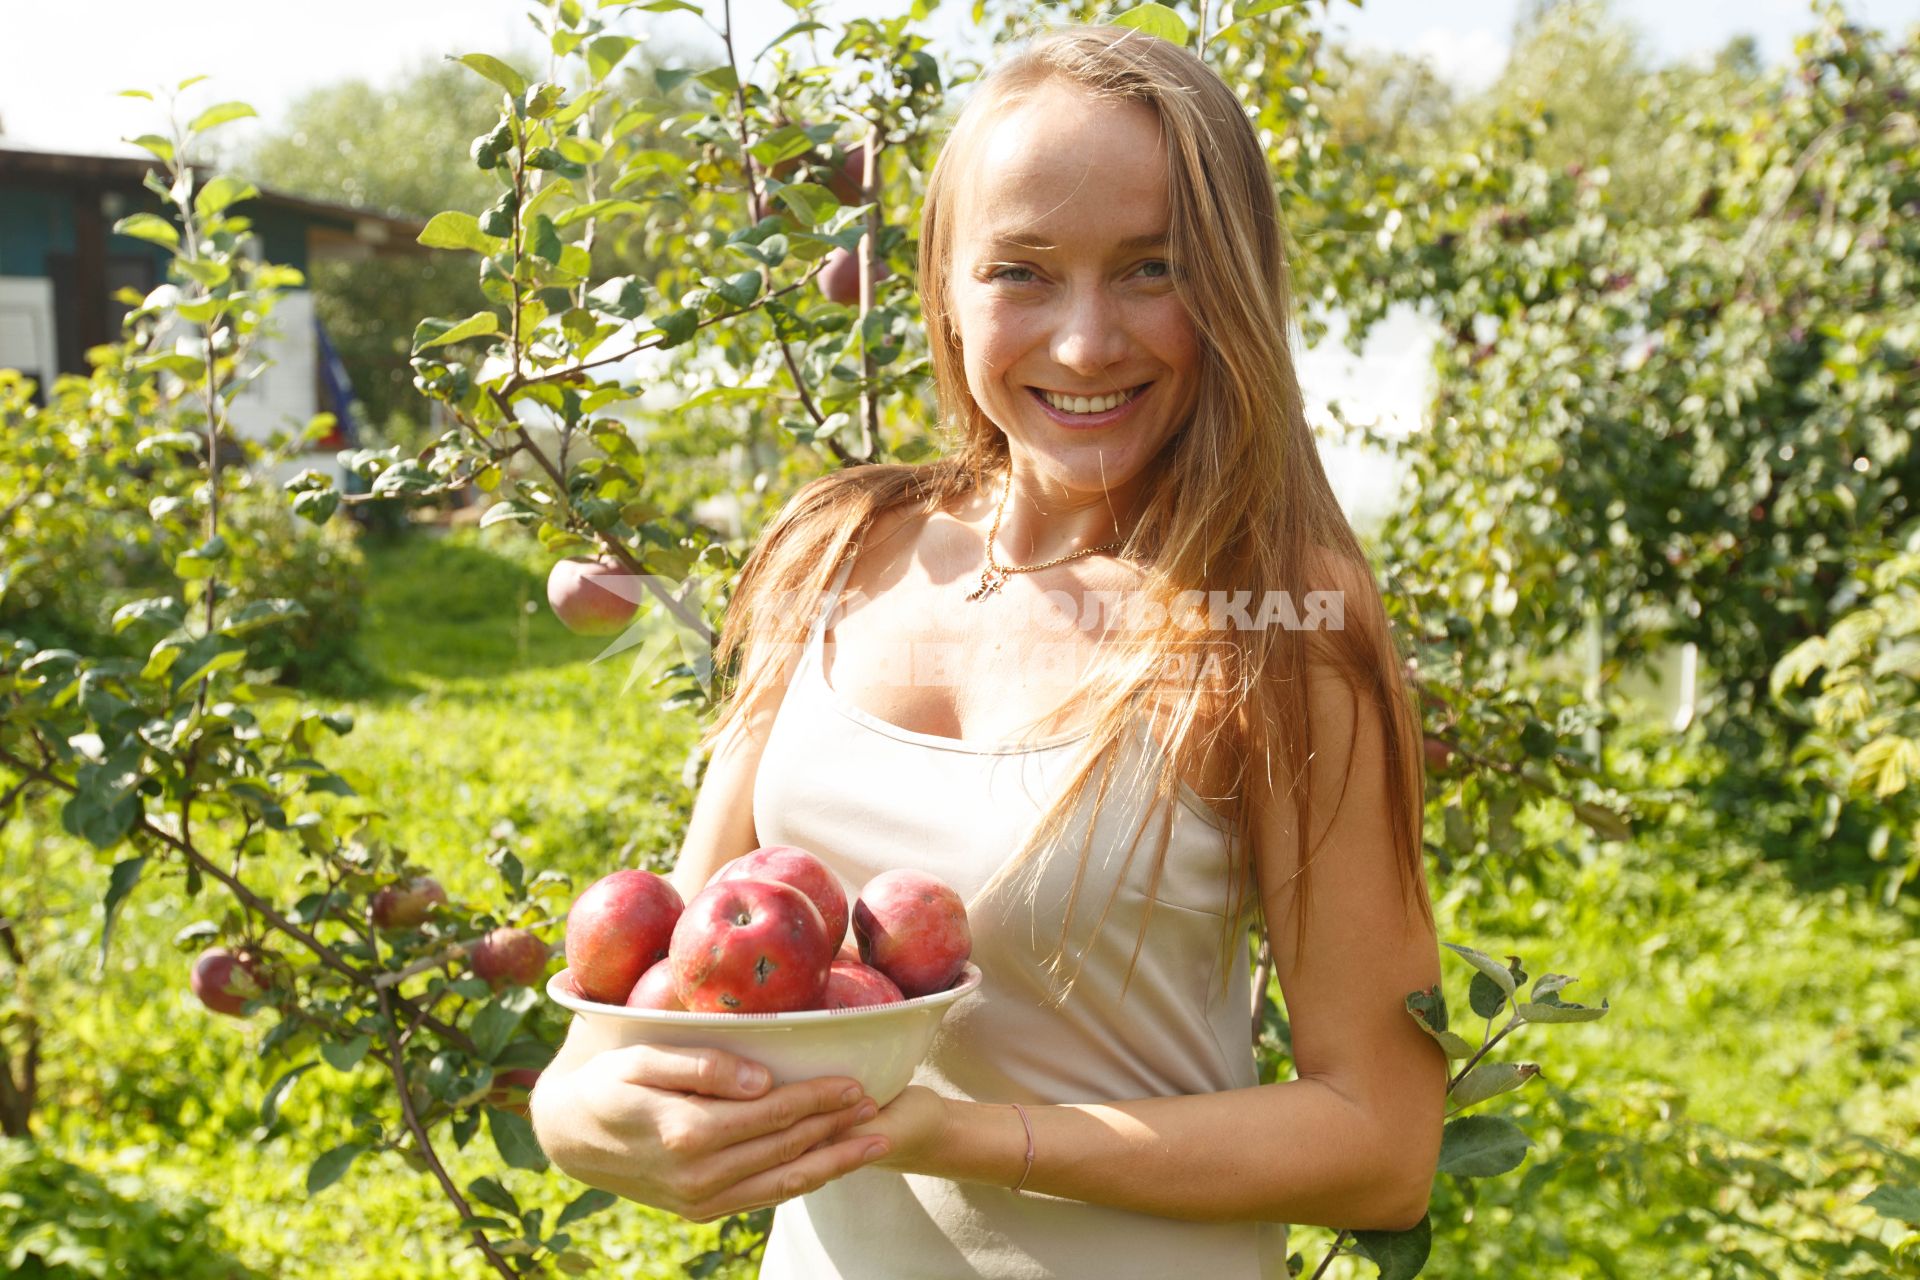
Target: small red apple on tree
840,279
617,929
848,179
225,980
510,957
790,864
912,926
592,595
407,904
750,946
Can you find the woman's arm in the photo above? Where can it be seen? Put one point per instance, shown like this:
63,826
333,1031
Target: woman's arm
1353,1142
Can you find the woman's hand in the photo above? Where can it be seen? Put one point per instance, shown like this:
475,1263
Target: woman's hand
678,1130
914,1125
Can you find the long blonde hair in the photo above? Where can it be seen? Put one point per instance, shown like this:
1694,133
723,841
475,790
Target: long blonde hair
1236,499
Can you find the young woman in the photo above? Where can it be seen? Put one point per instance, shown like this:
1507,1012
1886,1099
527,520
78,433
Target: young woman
1119,673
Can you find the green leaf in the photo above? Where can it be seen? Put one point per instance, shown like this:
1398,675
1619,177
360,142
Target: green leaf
433,332
1899,1203
1482,1146
597,209
622,296
742,289
494,1026
513,1137
262,613
794,30
162,611
345,1056
721,79
523,1052
810,203
120,882
270,1105
1485,996
605,53
678,327
542,240
489,1192
456,230
210,272
150,227
160,148
1602,821
1501,975
1561,1011
586,1204
1429,1009
495,70
317,505
215,116
1155,20
202,561
332,1166
1400,1255
1490,1080
784,143
222,193
502,512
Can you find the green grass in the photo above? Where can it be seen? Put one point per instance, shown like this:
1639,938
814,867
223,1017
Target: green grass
1756,1027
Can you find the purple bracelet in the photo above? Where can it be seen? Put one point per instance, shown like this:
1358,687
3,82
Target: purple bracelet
1029,1128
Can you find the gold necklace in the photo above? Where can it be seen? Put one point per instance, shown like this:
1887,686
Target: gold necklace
995,575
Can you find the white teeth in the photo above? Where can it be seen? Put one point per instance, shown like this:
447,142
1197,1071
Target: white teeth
1081,404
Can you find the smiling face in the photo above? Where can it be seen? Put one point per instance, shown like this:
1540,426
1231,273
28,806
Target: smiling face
1061,283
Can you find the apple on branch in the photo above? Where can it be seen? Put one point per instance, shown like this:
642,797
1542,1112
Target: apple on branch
592,595
510,957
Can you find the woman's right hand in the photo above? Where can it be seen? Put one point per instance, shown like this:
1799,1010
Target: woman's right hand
678,1129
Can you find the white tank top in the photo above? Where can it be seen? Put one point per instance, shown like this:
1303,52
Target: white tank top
868,796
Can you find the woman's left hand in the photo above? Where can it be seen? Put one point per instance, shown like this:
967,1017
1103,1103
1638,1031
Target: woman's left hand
912,1124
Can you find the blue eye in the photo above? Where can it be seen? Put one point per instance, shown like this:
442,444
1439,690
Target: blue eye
1159,262
1000,272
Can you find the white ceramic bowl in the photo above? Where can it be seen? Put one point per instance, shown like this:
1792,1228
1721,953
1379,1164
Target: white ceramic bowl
879,1046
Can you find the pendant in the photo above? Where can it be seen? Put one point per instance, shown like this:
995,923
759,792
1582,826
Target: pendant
991,580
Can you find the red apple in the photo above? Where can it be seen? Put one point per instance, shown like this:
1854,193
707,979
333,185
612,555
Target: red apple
789,864
852,985
404,905
849,949
225,980
913,927
593,596
849,177
840,278
617,929
655,989
750,946
510,957
510,1089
